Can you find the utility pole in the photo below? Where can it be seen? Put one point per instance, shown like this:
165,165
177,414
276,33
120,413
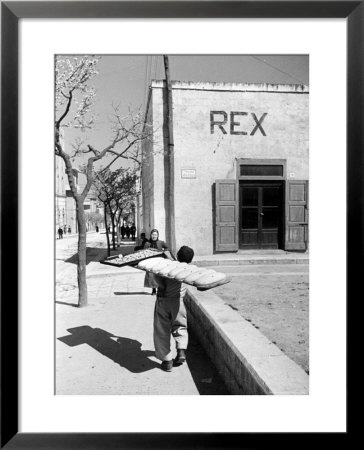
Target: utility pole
170,158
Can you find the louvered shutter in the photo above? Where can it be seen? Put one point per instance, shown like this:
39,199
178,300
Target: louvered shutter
226,228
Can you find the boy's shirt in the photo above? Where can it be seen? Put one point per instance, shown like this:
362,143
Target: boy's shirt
169,288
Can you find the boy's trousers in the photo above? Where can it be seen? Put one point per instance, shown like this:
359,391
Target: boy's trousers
169,317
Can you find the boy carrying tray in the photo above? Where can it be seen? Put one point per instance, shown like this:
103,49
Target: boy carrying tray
170,316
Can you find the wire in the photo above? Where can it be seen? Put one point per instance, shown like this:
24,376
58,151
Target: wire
276,68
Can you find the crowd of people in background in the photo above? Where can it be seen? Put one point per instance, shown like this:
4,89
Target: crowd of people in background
126,232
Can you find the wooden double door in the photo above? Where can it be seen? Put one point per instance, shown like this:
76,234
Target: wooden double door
261,214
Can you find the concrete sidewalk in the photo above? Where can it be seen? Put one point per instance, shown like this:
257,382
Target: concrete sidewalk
245,257
107,347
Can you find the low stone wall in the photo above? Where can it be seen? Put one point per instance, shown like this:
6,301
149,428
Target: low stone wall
248,362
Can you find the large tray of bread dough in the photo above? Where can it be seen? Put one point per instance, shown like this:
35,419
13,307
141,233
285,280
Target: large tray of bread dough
132,259
200,277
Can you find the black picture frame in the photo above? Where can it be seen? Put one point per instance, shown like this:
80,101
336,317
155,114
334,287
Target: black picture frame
11,12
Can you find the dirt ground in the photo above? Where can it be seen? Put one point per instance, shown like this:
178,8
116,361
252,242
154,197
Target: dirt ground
275,303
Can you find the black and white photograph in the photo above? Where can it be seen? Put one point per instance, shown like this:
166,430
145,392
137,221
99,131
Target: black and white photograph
176,273
181,228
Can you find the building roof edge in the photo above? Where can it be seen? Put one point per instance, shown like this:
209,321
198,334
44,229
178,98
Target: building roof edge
233,87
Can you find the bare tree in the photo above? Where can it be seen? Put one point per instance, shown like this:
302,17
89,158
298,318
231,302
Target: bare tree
74,101
117,190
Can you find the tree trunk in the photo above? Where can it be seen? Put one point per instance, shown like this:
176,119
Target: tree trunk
107,233
112,218
118,229
81,265
113,233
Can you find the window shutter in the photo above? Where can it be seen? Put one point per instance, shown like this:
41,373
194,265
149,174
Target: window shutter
226,228
296,215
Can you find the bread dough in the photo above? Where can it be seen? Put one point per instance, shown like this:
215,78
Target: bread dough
197,274
211,278
185,272
147,264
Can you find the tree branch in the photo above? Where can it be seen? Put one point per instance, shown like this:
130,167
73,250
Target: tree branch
58,122
121,155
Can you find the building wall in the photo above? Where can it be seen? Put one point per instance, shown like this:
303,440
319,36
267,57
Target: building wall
60,187
213,155
153,170
71,214
61,212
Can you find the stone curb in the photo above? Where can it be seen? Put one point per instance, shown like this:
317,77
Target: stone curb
250,261
248,362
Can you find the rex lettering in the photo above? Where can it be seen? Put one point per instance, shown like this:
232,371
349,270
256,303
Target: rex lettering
221,119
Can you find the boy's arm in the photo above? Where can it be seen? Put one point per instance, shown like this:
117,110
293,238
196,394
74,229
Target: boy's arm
169,255
161,282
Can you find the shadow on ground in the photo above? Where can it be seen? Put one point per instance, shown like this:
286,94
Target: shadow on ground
123,351
92,254
75,305
97,253
128,354
131,293
204,374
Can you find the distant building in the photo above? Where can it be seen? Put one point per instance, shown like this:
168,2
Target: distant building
65,204
60,201
240,166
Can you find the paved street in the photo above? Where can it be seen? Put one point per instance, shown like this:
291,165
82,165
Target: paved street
107,347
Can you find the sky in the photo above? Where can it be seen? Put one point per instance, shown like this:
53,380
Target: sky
124,80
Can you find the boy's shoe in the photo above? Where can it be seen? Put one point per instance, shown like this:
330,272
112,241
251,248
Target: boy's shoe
181,357
154,291
167,366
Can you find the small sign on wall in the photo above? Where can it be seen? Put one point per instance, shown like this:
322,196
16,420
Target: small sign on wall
188,173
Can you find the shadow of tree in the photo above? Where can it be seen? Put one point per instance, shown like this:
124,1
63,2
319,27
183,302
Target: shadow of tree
98,253
131,293
92,254
74,305
123,351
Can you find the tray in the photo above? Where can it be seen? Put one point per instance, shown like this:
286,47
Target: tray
132,259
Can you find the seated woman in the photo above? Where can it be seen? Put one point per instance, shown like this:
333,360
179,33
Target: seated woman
154,242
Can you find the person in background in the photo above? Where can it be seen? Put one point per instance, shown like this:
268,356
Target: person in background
170,316
132,231
127,231
141,242
157,244
69,229
122,231
60,233
97,228
65,229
